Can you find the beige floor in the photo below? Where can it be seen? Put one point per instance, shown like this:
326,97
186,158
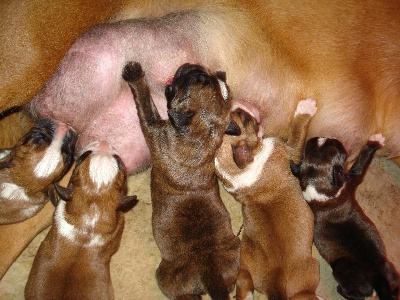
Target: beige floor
134,265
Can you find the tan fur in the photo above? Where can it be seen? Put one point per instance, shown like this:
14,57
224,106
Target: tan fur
72,267
278,224
345,54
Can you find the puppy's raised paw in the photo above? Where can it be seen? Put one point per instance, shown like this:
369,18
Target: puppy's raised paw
377,139
132,71
306,107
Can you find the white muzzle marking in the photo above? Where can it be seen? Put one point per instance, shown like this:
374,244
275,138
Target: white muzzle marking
50,160
102,169
12,191
254,170
224,89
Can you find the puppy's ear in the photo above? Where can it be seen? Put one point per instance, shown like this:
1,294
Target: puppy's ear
233,129
127,203
63,192
180,119
295,168
221,75
339,177
53,195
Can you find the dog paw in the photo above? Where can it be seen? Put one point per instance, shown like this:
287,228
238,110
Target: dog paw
377,138
306,107
132,71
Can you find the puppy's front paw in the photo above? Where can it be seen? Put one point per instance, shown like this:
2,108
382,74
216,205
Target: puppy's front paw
306,107
132,71
377,139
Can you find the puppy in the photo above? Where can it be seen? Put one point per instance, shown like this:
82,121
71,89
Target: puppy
278,227
191,226
73,261
41,158
345,237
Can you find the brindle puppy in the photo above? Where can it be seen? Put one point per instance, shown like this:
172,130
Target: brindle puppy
191,226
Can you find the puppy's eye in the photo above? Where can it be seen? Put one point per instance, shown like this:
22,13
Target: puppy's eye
170,92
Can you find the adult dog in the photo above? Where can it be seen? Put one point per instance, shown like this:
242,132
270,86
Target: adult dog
345,55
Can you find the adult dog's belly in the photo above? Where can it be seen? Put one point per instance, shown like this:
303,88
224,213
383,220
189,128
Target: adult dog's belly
271,70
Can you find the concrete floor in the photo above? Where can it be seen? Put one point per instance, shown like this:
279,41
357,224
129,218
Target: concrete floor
134,265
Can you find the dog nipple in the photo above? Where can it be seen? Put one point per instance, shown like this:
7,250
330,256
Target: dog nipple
242,154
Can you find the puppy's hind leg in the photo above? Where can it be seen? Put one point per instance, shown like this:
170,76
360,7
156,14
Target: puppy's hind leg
244,286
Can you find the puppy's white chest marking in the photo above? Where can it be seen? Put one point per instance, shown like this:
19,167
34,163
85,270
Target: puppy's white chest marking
102,169
71,233
310,193
50,160
12,191
4,153
254,170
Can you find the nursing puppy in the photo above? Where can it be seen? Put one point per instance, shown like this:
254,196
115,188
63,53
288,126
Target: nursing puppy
73,261
191,226
278,226
345,237
41,158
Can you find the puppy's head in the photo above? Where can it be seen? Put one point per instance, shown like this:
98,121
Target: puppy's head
43,155
99,173
322,169
240,145
197,101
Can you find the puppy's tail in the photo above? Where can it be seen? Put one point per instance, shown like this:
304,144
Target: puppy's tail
387,283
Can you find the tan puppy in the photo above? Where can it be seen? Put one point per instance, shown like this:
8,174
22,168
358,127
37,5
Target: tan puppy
41,158
278,227
73,260
191,226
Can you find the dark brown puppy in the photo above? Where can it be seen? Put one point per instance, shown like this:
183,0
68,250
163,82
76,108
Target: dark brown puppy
41,158
345,237
278,225
73,261
191,226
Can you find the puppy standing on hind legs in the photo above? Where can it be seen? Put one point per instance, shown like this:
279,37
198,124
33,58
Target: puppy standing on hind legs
276,257
191,226
345,237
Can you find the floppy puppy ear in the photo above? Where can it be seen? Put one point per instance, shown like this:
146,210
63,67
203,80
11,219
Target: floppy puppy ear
295,168
338,176
221,75
127,203
180,119
63,192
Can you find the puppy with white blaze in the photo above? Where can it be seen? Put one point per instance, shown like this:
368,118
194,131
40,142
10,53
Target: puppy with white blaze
73,261
40,158
345,237
275,255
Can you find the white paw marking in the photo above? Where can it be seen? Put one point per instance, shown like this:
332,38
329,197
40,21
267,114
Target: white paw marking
224,89
4,153
321,141
50,160
306,107
102,169
378,138
12,191
254,170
